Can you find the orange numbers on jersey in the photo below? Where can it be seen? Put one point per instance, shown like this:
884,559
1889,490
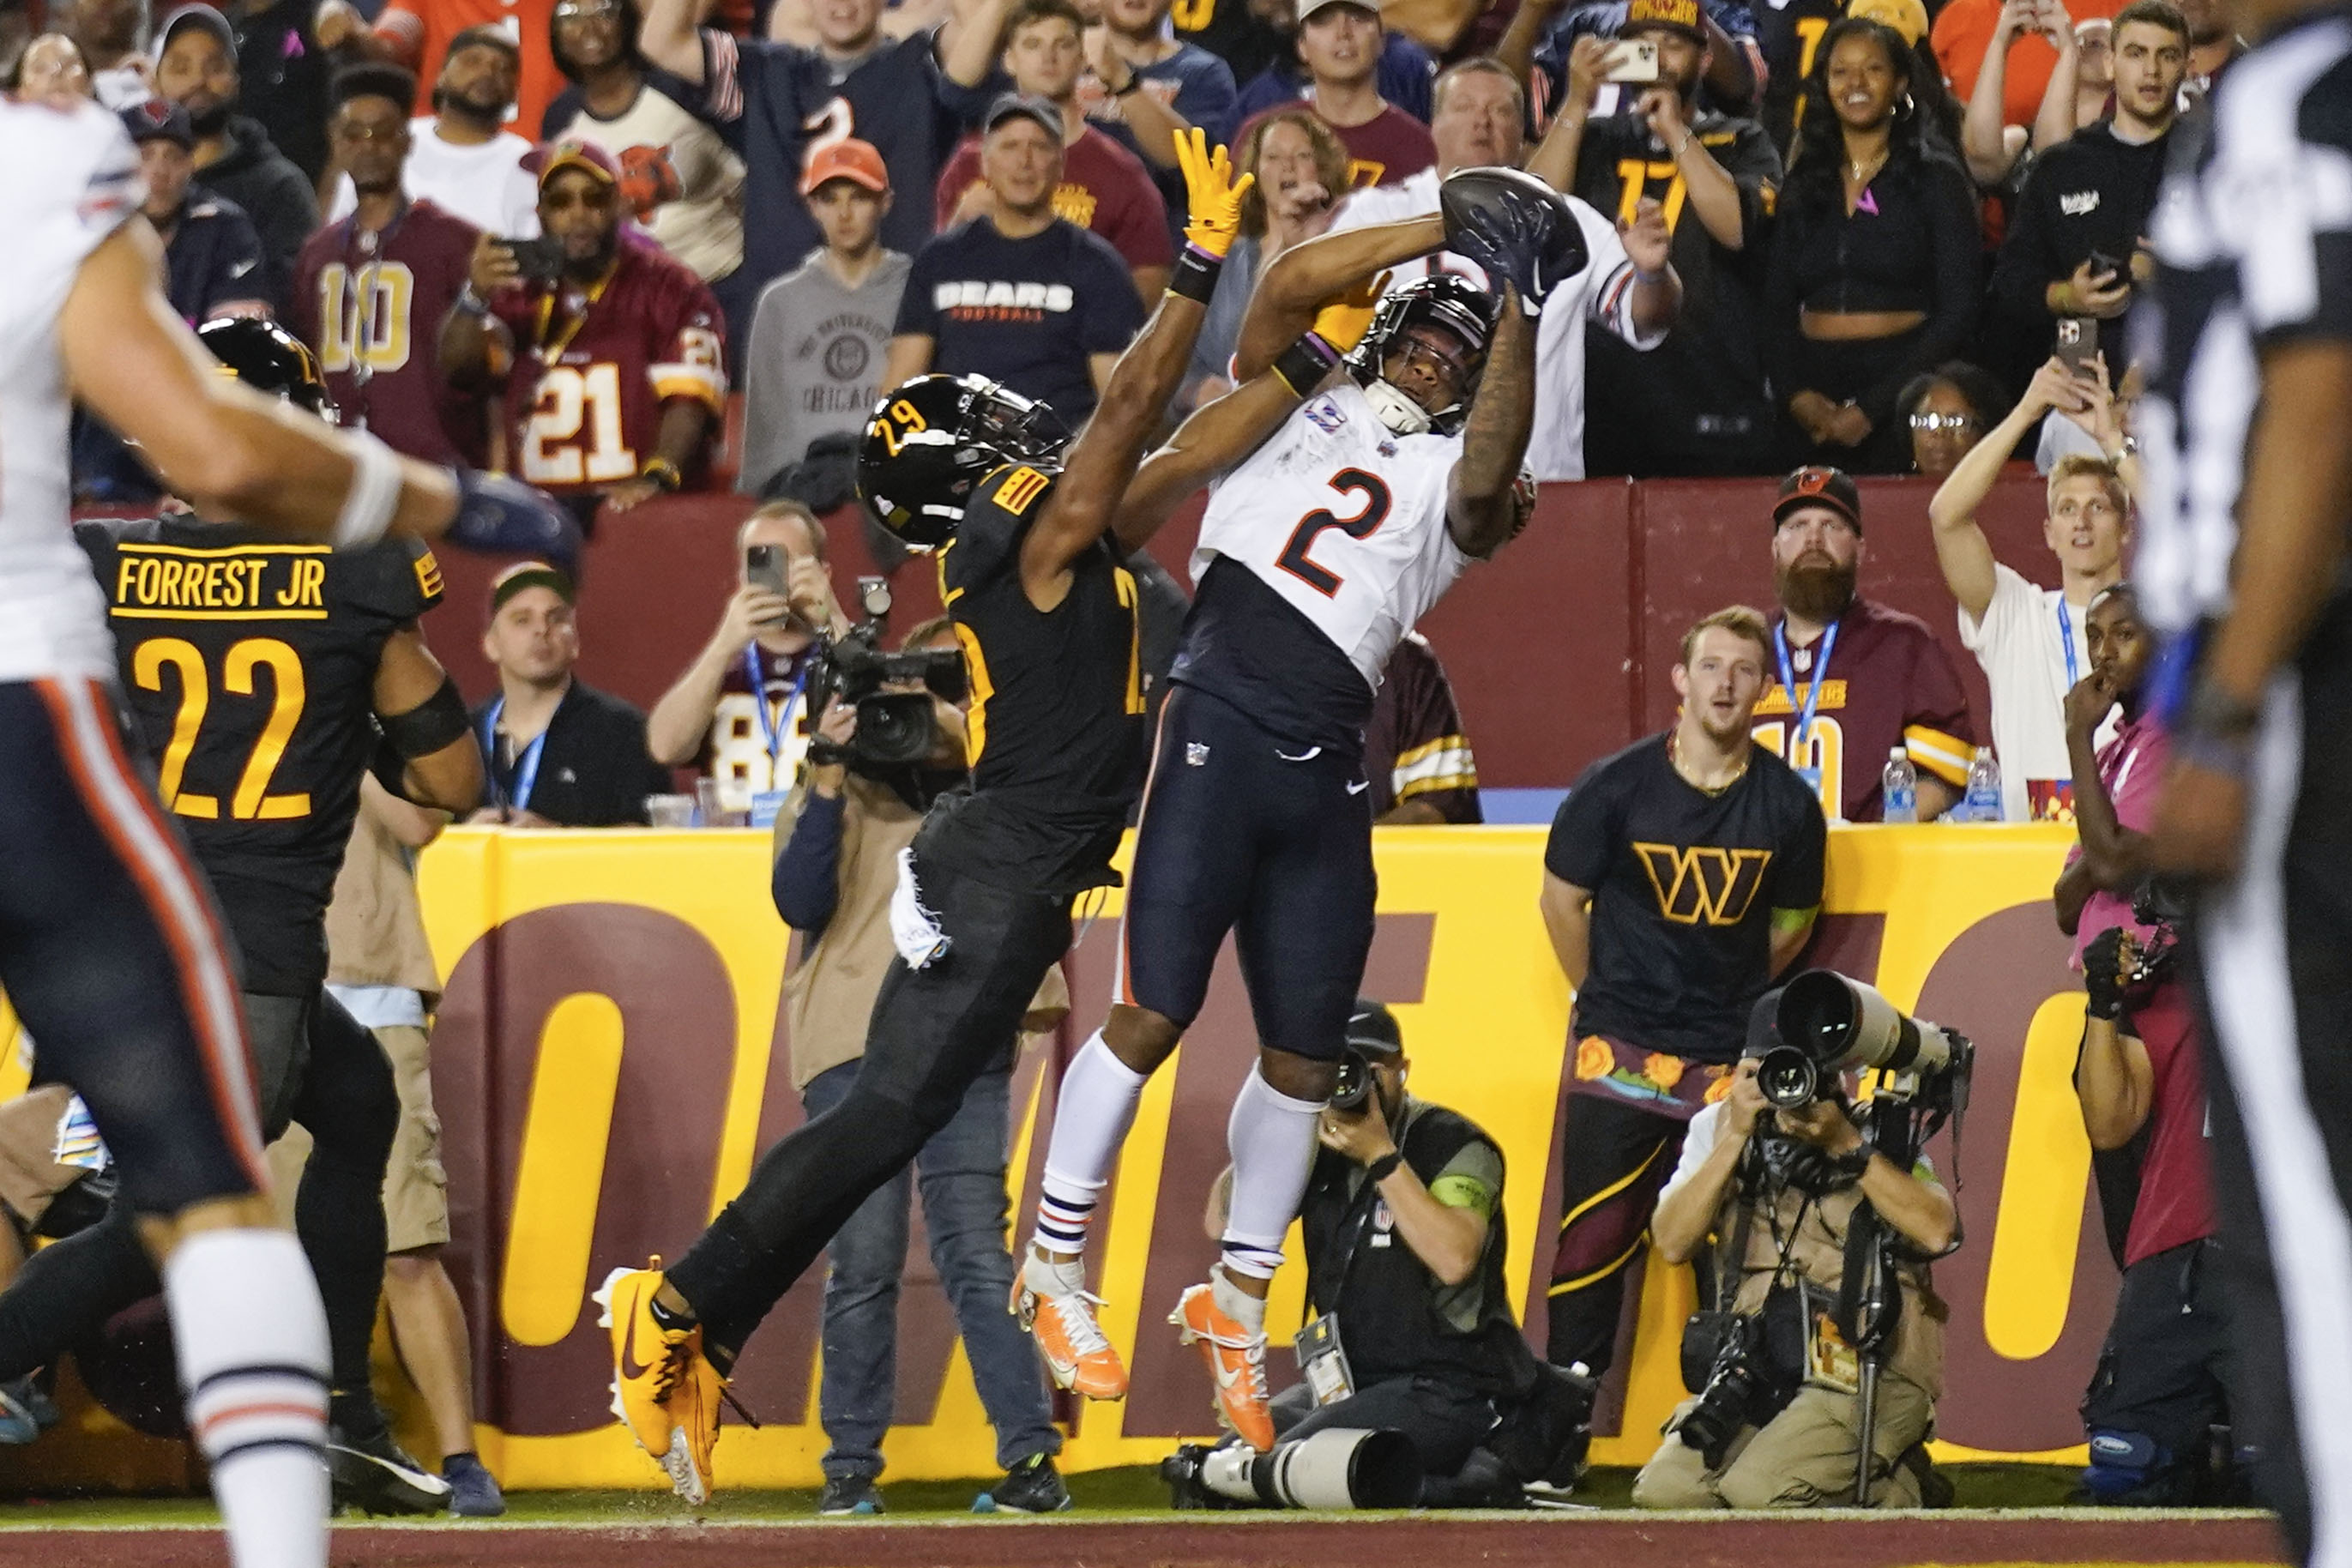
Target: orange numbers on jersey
1296,556
1825,749
577,407
1637,175
246,660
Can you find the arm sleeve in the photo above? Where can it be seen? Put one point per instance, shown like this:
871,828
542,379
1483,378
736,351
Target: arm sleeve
1706,1132
696,364
1936,730
918,308
1947,205
1583,833
806,883
1799,873
1472,1179
2022,275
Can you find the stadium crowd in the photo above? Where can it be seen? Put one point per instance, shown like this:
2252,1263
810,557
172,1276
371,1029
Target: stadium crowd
622,249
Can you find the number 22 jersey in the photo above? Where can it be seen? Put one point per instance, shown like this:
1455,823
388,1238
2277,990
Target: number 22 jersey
1315,556
248,665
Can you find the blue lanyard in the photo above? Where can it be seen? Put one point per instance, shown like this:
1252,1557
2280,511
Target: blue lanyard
526,773
1813,693
2066,641
772,731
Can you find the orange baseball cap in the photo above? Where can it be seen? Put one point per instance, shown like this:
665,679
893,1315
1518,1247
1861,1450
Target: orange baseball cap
848,158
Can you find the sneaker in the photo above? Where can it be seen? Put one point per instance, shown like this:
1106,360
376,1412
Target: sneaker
649,1361
1556,1487
473,1490
19,1423
1070,1341
1236,1361
1032,1486
848,1497
376,1476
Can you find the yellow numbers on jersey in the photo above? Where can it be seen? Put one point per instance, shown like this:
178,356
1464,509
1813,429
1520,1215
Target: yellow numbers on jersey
571,401
363,318
252,801
1191,16
1825,749
896,423
1128,598
1810,32
1637,174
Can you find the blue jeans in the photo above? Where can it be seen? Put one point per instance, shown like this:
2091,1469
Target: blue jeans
964,1212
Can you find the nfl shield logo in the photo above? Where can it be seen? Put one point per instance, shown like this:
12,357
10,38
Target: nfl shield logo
1196,753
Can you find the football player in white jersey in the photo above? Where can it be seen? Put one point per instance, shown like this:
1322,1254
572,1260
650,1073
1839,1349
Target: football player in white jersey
110,947
1318,552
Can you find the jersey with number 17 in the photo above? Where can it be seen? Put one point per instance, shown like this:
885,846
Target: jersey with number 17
1344,520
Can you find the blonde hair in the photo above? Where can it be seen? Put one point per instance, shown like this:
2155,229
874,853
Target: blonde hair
2083,466
1739,620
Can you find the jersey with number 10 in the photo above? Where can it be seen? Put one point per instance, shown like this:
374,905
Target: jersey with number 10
1346,523
249,665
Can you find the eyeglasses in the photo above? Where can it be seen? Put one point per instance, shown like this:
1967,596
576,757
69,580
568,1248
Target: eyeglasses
1929,423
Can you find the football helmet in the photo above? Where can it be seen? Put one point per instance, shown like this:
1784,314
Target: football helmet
931,440
1441,300
271,360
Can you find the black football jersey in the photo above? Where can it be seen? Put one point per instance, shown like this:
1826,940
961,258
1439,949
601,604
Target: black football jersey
1057,721
249,667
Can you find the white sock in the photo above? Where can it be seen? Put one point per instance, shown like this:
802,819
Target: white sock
1236,1303
1272,1139
1091,1116
251,1339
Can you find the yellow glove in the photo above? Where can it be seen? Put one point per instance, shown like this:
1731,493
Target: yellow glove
1343,321
1212,193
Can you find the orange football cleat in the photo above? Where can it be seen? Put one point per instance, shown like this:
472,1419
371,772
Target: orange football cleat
1236,1361
1070,1341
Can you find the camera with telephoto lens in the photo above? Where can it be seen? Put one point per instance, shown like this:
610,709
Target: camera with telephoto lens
1829,1025
1737,1392
1353,1087
895,729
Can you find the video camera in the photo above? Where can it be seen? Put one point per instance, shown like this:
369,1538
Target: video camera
1829,1025
896,730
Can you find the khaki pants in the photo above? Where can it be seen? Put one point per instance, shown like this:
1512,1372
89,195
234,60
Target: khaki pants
1803,1457
415,1187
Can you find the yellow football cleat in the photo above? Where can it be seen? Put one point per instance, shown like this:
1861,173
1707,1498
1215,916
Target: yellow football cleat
648,1364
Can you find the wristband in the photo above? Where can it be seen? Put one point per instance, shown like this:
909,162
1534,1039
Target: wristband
663,472
1305,364
1195,276
375,493
1381,1169
1660,276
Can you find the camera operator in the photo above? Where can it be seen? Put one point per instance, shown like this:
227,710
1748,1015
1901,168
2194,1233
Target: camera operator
838,838
1412,1331
1779,1426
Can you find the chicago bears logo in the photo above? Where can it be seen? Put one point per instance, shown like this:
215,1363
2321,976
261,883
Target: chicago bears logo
648,180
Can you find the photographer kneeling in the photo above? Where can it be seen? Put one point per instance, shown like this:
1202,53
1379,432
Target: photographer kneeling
1412,1353
1777,1424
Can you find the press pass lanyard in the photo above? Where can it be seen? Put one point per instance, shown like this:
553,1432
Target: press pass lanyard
526,769
773,731
1820,675
2066,641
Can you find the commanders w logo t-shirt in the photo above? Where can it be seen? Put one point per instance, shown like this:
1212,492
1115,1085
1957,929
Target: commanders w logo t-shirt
1684,885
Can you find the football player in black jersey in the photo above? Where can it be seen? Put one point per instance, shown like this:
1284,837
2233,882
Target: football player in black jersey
1029,572
264,679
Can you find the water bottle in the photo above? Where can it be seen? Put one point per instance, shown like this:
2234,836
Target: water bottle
1899,786
1983,802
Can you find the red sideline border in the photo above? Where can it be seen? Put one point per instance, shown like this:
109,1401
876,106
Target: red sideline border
1619,1541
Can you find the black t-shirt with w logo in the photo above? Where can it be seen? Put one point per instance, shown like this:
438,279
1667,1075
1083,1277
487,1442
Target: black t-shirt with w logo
1684,885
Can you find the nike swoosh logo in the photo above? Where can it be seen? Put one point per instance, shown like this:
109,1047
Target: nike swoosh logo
631,1366
1359,787
1226,1379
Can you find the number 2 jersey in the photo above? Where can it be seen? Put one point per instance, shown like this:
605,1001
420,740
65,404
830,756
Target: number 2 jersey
1315,556
249,665
70,179
1055,727
593,366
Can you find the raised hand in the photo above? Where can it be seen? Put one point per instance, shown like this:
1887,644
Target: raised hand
1212,193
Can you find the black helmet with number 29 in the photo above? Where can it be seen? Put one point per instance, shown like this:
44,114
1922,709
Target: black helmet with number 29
933,439
271,360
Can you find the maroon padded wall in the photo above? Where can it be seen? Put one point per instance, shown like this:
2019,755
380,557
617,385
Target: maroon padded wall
1560,649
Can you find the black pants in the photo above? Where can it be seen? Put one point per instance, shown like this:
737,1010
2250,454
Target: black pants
1444,1422
1842,370
318,1066
2160,1373
1615,1155
2273,951
934,1030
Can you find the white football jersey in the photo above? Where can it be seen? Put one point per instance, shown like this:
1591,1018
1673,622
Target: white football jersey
70,178
1345,521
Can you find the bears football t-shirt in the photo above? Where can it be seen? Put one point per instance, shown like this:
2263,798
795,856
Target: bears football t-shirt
1027,312
1104,187
1684,884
